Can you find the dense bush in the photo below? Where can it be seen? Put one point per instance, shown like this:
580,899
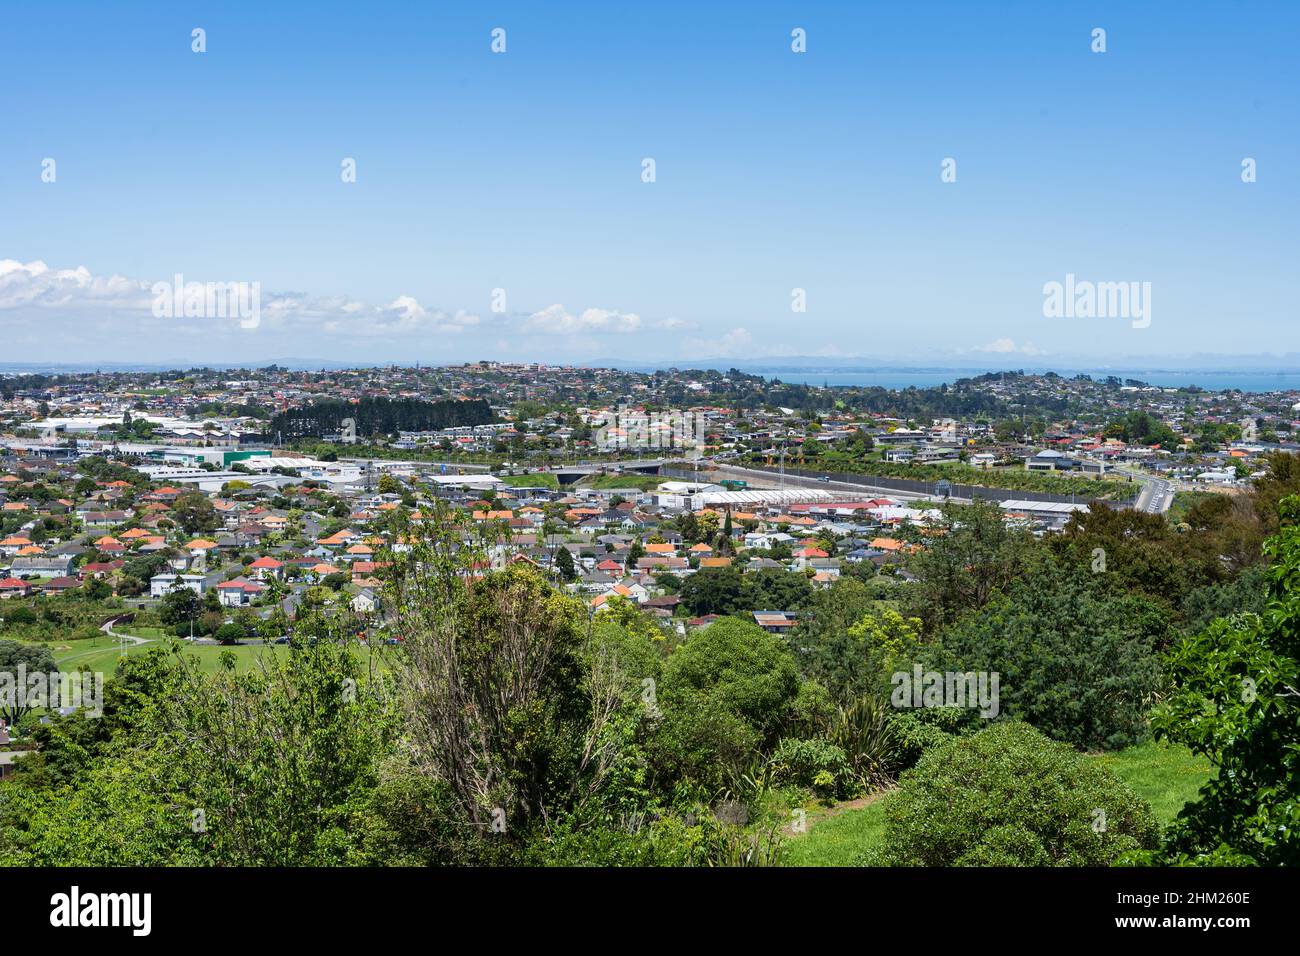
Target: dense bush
750,672
815,764
1075,659
1234,700
1008,796
914,732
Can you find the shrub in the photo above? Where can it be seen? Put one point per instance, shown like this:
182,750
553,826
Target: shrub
741,667
862,729
1077,661
913,732
1009,796
816,764
22,615
229,633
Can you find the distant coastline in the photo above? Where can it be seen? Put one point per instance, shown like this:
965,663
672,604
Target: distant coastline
833,373
1214,381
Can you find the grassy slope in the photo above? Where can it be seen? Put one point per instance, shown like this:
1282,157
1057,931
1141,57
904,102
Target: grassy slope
628,480
1166,776
531,481
102,654
836,840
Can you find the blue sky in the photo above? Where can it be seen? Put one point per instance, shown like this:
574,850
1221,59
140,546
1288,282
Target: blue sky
522,171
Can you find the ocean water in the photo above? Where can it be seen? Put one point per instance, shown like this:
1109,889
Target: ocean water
1251,380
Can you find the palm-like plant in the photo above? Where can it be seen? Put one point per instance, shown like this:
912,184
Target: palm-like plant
861,729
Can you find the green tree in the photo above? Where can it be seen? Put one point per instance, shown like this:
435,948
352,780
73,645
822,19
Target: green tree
1078,661
820,637
194,513
775,589
715,591
279,762
1008,796
1236,701
750,672
564,564
179,606
971,556
16,661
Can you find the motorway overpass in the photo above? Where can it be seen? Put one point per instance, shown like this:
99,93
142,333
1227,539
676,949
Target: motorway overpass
908,490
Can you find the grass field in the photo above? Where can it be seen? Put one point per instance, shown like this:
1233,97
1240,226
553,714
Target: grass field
627,480
546,480
1166,776
835,840
103,653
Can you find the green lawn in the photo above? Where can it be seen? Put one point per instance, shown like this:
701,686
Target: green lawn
545,480
837,840
149,633
1166,776
626,480
103,653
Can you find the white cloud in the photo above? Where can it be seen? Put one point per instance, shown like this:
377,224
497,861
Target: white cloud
36,284
1008,347
71,293
557,320
736,343
74,308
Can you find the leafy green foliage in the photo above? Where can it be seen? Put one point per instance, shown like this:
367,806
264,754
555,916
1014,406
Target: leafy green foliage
264,767
379,416
1008,796
1236,701
816,764
1075,660
17,661
971,554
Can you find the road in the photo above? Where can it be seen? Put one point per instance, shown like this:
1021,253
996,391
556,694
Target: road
1157,493
595,466
797,481
1155,498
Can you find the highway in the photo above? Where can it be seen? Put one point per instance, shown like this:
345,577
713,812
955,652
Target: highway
752,475
1157,493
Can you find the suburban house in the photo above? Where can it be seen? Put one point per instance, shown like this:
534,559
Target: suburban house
240,592
13,587
774,622
267,567
365,601
42,566
161,584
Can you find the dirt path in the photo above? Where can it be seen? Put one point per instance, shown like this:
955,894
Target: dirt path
826,813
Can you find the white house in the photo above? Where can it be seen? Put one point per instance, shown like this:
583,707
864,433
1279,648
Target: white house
238,593
161,584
